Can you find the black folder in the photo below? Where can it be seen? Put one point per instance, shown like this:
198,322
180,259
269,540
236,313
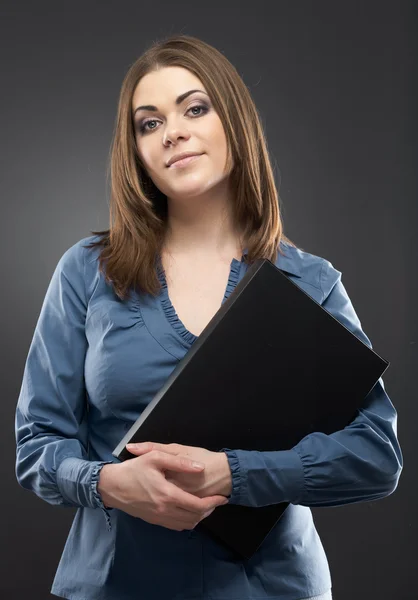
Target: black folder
271,367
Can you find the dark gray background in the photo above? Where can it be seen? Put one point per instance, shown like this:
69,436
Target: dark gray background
335,85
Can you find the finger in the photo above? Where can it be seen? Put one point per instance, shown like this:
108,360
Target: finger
140,448
169,462
192,503
184,515
144,447
180,496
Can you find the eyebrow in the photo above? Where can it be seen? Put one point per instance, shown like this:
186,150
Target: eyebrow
179,100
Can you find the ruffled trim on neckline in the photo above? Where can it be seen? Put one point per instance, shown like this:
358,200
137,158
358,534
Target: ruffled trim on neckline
233,277
169,309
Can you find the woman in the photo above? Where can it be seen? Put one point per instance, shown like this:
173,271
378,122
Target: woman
125,305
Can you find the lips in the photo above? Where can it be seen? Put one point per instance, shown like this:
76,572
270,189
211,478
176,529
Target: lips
182,156
184,161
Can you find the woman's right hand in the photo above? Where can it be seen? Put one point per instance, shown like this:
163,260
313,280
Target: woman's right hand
138,487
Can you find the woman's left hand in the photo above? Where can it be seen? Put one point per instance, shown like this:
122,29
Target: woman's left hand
216,478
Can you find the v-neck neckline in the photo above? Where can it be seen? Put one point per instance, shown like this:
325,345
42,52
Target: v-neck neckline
160,318
169,311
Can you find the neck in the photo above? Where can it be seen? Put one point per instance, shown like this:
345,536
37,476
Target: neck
202,227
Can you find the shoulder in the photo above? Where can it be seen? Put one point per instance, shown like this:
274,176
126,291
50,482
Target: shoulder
313,270
76,256
79,263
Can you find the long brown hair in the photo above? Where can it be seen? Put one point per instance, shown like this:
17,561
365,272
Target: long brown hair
138,209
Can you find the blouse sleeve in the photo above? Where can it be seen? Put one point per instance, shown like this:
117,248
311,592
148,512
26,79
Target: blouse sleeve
51,413
359,463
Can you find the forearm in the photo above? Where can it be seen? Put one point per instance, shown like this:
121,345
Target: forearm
362,462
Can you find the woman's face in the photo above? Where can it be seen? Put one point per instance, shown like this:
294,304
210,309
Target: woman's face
191,125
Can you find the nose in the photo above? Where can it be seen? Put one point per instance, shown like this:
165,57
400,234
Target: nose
174,132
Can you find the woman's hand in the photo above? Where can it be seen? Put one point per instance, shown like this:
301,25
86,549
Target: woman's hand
215,479
139,488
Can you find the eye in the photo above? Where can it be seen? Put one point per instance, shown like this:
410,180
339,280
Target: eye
143,126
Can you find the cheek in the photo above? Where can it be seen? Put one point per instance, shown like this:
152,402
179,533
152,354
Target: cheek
219,142
148,156
219,149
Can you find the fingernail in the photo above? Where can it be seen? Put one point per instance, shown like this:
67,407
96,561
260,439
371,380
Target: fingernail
197,465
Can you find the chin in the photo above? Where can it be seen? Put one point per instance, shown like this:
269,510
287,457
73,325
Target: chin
186,191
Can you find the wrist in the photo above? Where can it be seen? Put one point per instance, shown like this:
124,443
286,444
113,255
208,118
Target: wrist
106,485
226,480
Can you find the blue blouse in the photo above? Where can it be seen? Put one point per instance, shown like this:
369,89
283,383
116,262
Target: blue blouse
94,364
